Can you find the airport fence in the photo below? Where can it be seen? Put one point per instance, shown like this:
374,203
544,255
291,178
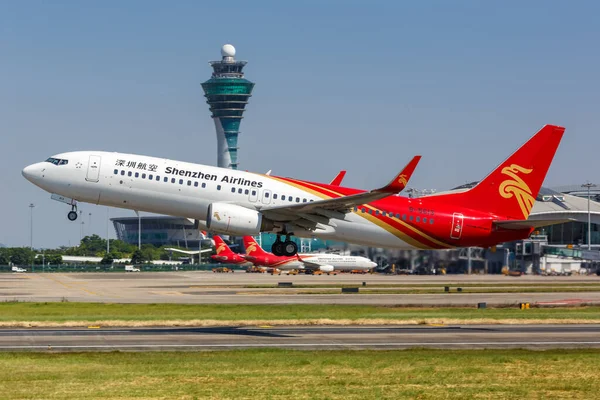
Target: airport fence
120,268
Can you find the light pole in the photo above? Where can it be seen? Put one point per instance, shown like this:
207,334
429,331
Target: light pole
89,223
31,205
139,229
107,238
589,186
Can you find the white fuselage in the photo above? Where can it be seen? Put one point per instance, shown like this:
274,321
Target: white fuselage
183,189
338,262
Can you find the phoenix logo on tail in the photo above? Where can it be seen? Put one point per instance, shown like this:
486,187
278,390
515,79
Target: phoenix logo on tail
517,187
251,248
221,247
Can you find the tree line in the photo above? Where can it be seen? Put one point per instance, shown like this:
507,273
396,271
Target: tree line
91,246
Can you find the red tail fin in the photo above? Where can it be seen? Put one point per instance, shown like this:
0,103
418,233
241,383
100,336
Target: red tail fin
252,248
510,190
220,246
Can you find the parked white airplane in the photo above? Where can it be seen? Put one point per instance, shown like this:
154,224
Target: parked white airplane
245,203
311,261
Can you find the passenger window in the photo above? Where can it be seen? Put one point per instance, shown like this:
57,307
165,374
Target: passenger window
355,209
275,197
181,181
266,195
122,172
150,177
376,212
116,171
297,199
172,180
424,220
157,178
282,198
246,191
304,200
370,211
189,183
431,221
240,190
195,184
232,190
203,185
363,209
418,219
166,179
398,216
137,174
129,173
410,218
404,217
254,193
218,187
144,176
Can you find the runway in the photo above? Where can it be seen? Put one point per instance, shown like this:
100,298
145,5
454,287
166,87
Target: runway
305,337
243,288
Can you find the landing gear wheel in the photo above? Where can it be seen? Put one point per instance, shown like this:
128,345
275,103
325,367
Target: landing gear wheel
290,248
72,215
277,248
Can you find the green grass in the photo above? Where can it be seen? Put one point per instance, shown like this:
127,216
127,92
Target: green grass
60,312
288,374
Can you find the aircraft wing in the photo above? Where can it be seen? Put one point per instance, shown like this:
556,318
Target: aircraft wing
321,211
308,264
530,223
337,181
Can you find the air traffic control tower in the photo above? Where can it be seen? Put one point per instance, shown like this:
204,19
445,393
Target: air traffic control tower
227,93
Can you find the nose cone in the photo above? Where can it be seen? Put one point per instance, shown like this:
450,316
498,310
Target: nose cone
33,172
29,172
372,264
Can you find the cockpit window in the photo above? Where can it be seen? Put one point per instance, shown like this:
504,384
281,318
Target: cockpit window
57,161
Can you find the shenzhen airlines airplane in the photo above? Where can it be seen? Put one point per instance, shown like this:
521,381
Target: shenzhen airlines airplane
311,261
245,203
225,255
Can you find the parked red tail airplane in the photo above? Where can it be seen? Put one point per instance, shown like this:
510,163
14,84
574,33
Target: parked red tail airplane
224,253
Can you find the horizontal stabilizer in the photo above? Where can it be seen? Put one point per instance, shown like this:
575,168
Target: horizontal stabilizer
529,223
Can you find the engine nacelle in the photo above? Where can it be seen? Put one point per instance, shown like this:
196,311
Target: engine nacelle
326,268
231,219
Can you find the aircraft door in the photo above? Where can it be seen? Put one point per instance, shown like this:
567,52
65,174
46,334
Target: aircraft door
93,172
253,196
266,196
457,225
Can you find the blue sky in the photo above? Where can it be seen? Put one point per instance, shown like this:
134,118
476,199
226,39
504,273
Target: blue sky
353,85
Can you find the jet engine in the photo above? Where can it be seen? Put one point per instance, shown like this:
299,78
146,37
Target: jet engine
234,220
326,268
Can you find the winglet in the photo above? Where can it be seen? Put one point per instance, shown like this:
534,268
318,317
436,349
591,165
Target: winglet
399,183
337,181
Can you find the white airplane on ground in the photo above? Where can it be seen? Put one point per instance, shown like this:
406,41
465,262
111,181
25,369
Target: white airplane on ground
242,203
310,261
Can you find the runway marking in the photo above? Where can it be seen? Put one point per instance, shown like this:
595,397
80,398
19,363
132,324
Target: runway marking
320,344
68,286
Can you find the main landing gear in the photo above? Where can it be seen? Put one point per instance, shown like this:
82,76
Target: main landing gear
285,248
72,215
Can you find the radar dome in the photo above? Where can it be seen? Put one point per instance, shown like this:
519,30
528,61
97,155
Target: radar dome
228,51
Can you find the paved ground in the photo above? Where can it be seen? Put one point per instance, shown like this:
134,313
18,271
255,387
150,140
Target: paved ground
323,337
208,287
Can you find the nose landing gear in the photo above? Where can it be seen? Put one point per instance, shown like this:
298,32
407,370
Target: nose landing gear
285,248
72,215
